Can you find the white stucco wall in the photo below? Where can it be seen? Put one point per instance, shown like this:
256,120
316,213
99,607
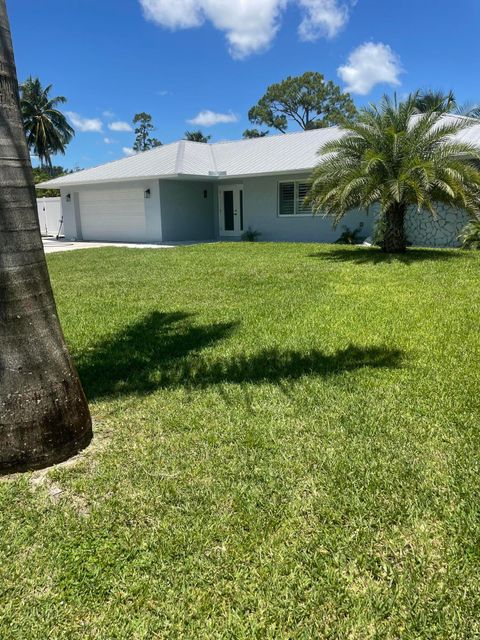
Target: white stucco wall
71,225
261,214
187,210
178,210
72,214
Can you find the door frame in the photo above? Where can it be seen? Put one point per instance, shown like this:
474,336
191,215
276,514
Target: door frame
238,209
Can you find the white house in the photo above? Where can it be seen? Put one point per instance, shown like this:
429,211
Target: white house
189,191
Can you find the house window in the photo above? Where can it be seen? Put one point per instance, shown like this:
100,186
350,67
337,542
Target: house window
291,196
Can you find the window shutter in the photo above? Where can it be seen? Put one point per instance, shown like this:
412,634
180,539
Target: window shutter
303,189
287,198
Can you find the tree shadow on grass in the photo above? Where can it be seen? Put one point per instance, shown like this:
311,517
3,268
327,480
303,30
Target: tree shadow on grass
164,350
145,354
372,255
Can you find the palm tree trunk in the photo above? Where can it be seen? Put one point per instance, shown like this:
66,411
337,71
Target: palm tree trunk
394,237
44,416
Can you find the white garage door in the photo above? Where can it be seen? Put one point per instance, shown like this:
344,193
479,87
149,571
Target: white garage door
113,215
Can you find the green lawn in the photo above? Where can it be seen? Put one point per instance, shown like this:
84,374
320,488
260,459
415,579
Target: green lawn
287,445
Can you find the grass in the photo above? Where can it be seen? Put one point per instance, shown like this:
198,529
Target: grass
286,446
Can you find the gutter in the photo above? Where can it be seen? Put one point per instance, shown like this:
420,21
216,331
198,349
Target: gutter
217,176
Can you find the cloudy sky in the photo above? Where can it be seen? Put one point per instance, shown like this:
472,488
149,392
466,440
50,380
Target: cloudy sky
204,63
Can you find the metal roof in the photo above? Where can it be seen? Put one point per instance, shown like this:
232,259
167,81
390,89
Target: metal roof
284,153
272,154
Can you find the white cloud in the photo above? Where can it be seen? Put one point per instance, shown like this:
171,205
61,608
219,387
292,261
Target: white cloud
128,151
180,14
109,141
369,64
85,124
108,114
163,93
250,25
322,18
209,118
119,126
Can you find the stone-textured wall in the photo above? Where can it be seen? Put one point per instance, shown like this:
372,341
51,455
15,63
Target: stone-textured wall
423,230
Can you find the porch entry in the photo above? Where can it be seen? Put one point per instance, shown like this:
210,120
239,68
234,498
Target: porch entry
230,209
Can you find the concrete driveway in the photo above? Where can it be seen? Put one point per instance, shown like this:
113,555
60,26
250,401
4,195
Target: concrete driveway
51,245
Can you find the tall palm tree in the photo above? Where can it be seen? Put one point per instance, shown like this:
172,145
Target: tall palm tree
44,416
46,128
435,100
397,159
468,110
196,136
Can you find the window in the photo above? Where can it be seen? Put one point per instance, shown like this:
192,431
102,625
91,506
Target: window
291,196
287,199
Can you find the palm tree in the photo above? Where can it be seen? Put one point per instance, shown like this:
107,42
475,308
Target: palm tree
468,110
196,136
248,134
435,100
430,100
44,416
397,159
46,128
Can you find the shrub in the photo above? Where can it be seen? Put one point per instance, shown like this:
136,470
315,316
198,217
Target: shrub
470,235
251,235
351,236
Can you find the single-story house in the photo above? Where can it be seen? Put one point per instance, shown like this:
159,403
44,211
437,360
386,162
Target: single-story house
189,191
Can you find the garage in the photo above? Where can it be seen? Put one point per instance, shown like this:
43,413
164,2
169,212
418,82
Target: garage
113,215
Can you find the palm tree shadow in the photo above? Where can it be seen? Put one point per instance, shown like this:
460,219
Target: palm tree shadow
166,350
373,255
145,354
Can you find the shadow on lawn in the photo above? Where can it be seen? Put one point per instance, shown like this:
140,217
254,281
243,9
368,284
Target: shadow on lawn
367,255
164,350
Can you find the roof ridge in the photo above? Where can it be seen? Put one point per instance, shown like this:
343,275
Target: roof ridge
180,156
275,135
214,160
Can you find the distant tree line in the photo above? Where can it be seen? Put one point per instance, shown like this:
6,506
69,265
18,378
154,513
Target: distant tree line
307,101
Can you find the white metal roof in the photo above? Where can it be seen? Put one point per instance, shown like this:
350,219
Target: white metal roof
272,154
284,153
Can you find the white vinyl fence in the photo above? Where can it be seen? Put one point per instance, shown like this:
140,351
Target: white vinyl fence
50,216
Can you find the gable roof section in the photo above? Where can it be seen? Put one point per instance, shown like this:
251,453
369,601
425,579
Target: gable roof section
284,153
273,154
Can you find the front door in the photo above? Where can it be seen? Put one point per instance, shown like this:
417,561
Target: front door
230,207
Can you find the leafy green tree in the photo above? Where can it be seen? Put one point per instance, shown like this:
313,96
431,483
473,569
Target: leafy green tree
395,158
41,175
307,100
196,136
46,128
254,133
44,416
144,126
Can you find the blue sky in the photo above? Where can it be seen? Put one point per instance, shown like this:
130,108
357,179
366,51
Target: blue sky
178,58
